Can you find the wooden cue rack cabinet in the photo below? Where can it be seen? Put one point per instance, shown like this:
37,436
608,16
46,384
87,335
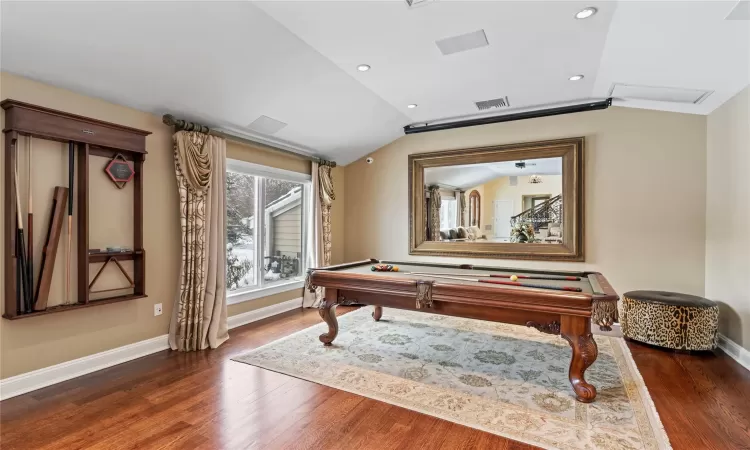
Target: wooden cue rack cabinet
89,137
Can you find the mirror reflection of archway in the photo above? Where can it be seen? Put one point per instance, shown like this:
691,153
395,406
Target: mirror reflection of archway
475,208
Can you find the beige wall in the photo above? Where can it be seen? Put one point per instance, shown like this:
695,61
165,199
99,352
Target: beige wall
645,194
728,216
265,156
38,342
338,215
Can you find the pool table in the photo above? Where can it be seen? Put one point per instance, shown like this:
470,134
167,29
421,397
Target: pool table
566,313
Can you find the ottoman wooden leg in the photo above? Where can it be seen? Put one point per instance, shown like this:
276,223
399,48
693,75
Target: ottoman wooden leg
577,331
377,313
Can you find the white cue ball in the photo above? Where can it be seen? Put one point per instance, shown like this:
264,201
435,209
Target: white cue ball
513,278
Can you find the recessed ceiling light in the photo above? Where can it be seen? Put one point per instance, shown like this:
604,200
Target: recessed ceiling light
586,13
576,78
412,106
363,67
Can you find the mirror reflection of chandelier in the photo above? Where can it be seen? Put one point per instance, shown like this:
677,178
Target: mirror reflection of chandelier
535,179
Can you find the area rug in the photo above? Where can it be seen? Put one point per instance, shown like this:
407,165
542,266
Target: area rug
504,379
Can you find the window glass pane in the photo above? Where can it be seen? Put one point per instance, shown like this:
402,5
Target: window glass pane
448,213
240,231
282,234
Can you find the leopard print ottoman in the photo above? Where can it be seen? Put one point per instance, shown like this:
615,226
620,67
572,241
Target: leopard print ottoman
668,319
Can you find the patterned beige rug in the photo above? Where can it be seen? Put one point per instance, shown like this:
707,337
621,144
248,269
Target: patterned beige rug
503,379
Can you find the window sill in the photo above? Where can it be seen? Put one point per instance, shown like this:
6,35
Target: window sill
245,296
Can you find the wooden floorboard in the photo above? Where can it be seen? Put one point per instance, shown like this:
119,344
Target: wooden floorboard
172,400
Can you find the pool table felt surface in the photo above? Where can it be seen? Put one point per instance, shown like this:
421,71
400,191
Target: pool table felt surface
365,269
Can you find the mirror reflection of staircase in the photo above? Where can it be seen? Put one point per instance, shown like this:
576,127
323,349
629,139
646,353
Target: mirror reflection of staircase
545,217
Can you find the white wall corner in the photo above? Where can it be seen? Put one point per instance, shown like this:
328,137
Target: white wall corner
735,351
47,376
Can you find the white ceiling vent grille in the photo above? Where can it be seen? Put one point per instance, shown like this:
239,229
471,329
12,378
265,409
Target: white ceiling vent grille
416,3
658,94
501,102
266,125
462,43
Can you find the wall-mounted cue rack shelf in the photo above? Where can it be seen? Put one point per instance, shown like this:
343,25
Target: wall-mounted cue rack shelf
85,137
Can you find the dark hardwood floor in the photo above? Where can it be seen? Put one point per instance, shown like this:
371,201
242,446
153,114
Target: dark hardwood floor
204,400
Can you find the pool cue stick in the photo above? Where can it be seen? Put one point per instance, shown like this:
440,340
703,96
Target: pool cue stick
19,278
495,275
71,176
49,250
21,256
505,283
30,224
19,281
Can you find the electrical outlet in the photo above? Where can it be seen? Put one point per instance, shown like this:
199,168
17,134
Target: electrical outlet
157,309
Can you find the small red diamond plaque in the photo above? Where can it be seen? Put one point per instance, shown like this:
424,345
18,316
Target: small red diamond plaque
120,170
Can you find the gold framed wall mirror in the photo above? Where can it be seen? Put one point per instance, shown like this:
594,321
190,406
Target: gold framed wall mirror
517,201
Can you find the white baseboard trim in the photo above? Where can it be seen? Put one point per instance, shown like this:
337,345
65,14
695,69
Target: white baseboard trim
47,376
261,313
735,351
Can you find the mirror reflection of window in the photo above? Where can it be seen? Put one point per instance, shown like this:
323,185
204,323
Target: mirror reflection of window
448,213
475,208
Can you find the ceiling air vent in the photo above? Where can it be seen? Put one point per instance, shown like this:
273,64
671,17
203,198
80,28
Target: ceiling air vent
415,3
463,42
501,102
658,94
266,125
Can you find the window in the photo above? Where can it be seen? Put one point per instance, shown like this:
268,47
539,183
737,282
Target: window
448,214
266,230
475,209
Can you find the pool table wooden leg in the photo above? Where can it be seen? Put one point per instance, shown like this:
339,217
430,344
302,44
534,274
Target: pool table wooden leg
377,313
327,311
577,331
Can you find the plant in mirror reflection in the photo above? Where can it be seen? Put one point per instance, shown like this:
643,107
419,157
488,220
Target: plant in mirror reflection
522,232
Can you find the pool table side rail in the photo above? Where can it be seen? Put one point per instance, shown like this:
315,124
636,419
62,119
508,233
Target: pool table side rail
601,287
578,304
582,274
345,266
475,267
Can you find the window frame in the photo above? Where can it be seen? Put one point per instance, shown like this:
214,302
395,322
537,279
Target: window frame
260,172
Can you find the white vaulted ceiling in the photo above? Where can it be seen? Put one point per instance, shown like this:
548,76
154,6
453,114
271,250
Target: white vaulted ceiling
222,63
228,63
533,49
465,176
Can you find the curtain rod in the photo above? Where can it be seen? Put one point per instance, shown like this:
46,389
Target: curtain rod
592,106
180,124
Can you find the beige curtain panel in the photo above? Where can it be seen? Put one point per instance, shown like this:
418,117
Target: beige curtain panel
319,244
462,222
435,201
199,318
327,197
